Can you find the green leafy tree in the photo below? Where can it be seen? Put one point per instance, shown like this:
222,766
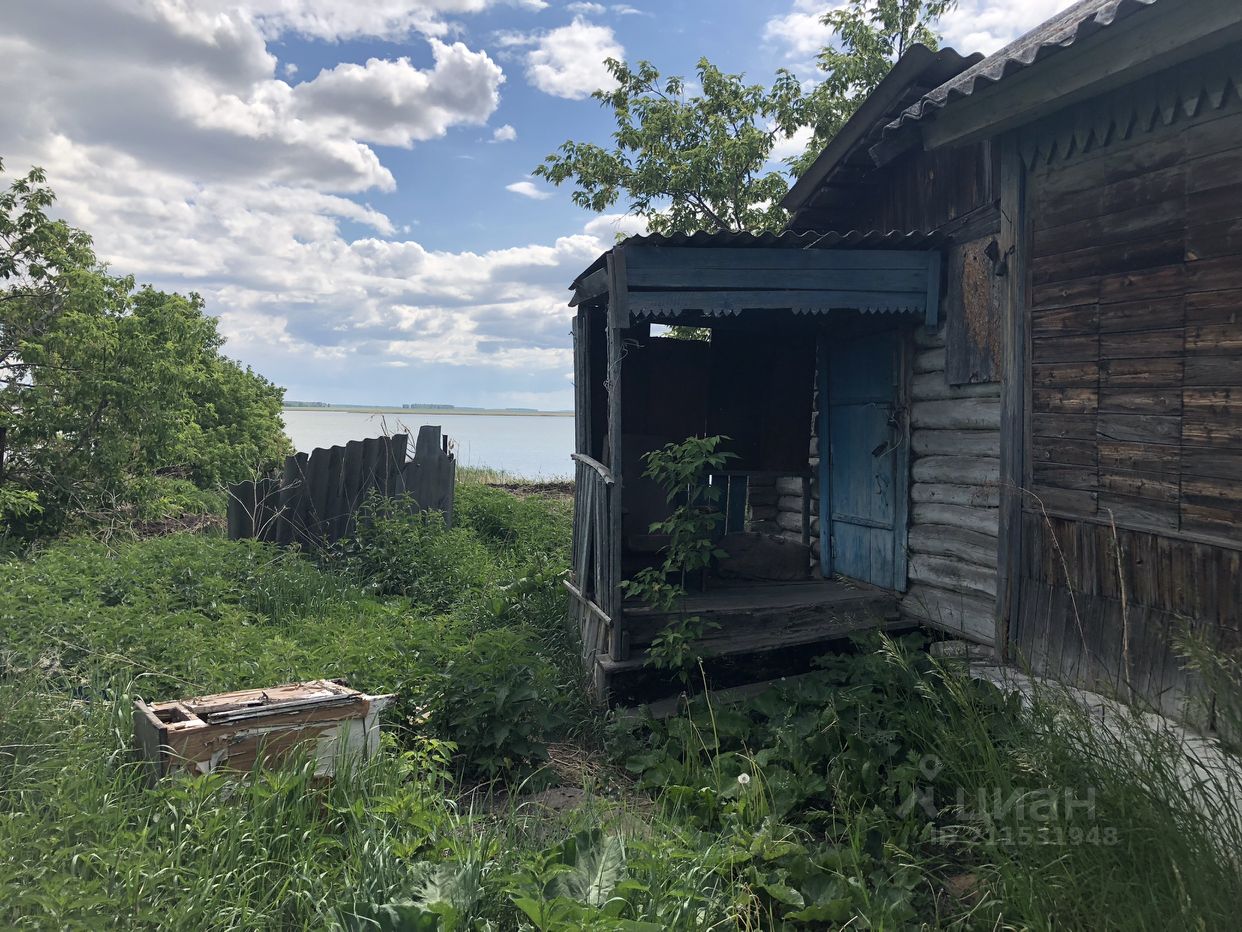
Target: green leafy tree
102,385
870,37
686,161
703,161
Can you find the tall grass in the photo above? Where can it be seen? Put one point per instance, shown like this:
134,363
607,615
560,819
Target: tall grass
886,790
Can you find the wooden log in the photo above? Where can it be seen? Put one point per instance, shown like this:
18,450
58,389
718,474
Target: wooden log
953,575
762,495
959,470
789,485
953,542
790,503
792,522
931,360
969,616
931,386
958,414
943,493
982,520
956,442
928,339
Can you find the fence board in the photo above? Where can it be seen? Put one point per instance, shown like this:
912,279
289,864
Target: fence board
314,500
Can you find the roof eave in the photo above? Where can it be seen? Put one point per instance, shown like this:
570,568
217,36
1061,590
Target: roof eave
1096,47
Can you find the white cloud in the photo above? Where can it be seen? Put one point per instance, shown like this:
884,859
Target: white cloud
336,20
611,227
588,9
529,189
167,133
569,61
973,26
394,103
987,25
504,133
792,146
290,69
800,33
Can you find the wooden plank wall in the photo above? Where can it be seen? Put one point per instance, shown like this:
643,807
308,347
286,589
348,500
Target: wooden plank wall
924,191
1134,521
315,499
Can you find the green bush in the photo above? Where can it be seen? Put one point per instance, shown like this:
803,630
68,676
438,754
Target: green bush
416,555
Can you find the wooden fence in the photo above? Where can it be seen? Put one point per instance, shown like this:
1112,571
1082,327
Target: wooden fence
315,500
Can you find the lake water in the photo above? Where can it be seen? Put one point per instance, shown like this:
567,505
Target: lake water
528,446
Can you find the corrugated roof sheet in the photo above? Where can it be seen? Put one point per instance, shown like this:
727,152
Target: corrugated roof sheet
1074,24
787,239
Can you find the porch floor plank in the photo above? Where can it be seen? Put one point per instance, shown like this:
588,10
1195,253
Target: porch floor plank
754,618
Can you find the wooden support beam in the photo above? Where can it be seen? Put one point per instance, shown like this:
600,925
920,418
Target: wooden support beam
688,257
591,288
618,318
1014,242
818,301
823,439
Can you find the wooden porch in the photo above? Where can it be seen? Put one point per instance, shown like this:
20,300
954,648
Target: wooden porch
782,313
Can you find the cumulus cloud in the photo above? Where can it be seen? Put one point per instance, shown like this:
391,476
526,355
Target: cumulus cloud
973,26
337,20
394,103
196,92
986,25
612,227
800,34
529,189
504,133
569,61
161,115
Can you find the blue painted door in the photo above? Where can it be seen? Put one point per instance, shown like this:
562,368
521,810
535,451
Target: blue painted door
865,474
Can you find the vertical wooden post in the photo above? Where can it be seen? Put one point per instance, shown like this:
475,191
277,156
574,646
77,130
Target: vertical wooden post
901,466
932,311
582,382
825,448
735,509
1013,243
618,320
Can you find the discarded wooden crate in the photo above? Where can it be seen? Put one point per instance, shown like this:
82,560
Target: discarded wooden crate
324,718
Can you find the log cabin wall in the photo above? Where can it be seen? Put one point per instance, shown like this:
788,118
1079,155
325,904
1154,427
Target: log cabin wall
953,386
1132,525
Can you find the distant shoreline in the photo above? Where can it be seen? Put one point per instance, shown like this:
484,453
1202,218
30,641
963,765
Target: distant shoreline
423,412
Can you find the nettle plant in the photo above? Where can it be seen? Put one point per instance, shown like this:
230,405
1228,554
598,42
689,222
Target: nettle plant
683,471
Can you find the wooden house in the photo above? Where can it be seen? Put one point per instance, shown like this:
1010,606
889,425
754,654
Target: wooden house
1018,418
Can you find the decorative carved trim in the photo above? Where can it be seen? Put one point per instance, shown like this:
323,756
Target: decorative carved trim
1178,94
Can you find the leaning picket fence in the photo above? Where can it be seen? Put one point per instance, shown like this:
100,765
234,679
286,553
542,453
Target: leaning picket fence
315,500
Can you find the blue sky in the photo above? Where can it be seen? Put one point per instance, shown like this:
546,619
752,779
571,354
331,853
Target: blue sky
347,183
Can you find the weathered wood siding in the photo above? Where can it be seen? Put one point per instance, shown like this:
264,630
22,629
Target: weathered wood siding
918,190
1133,521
